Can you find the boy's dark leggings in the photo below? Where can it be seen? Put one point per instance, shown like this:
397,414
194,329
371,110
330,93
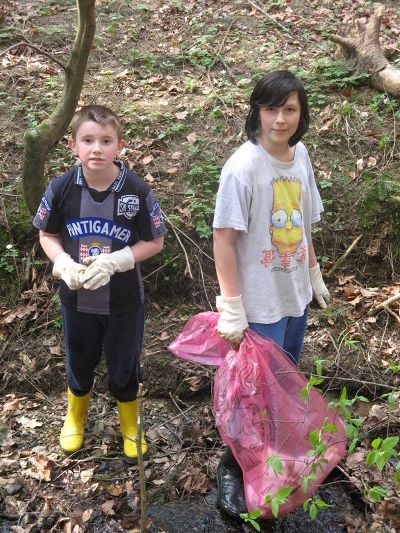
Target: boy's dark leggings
86,335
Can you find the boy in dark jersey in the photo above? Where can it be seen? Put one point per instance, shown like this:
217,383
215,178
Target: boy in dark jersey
97,222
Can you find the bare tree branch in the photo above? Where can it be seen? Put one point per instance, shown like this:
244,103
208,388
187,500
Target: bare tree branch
34,47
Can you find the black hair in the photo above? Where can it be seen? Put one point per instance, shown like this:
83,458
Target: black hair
273,90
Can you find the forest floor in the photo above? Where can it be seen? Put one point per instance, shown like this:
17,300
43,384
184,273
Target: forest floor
180,73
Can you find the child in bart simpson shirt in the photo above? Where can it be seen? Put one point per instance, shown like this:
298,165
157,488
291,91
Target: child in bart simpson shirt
97,223
265,261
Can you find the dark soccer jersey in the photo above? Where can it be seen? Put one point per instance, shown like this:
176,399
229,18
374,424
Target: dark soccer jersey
90,223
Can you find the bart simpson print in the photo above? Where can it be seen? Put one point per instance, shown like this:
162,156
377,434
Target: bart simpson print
286,227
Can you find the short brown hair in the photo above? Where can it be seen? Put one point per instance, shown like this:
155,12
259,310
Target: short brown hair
96,113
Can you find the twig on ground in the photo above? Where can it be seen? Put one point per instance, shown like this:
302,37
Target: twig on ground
203,282
142,477
39,50
281,26
161,267
385,304
392,313
188,269
173,418
362,382
341,259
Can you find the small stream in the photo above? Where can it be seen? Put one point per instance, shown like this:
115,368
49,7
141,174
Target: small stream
201,515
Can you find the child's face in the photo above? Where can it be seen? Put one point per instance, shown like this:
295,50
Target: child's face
278,124
96,146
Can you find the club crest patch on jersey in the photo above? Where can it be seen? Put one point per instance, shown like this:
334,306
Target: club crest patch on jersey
91,250
128,205
156,215
44,209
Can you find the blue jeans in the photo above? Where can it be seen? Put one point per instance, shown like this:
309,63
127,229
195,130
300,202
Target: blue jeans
288,333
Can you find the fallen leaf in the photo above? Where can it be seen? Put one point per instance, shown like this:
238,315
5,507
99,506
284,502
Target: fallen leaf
30,423
87,514
158,481
342,280
371,162
116,490
8,465
55,350
20,312
176,155
43,465
11,405
122,74
148,177
172,171
182,115
192,138
360,164
147,159
195,382
86,475
164,336
107,507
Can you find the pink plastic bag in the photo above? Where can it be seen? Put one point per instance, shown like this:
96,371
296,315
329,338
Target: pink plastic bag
261,415
199,341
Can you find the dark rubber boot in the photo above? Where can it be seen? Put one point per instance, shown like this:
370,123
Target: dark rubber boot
231,499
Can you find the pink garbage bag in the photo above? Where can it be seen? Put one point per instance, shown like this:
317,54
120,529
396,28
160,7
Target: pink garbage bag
199,341
265,414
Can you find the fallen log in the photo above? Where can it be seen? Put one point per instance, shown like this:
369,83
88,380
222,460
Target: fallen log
365,50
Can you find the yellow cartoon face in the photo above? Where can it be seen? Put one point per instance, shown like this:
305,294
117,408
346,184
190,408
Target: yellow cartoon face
287,219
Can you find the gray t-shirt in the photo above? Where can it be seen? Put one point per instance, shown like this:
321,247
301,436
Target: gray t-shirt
273,205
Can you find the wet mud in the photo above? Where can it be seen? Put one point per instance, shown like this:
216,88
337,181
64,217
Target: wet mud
201,515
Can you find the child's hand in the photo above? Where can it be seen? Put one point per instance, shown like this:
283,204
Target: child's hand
321,293
102,267
233,322
69,271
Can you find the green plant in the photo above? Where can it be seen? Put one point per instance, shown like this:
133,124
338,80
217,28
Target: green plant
277,499
9,259
312,505
143,59
200,195
376,493
329,76
393,366
313,380
350,343
198,55
251,518
352,423
190,84
379,192
382,451
174,129
274,461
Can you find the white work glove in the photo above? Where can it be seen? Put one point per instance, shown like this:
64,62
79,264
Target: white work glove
233,321
69,271
102,267
321,293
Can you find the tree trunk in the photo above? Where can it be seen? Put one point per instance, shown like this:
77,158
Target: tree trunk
40,140
366,51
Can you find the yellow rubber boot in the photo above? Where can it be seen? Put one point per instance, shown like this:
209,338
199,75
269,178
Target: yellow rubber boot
71,437
128,423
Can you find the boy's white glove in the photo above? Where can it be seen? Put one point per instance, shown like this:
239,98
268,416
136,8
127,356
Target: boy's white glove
233,321
102,267
69,271
320,291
